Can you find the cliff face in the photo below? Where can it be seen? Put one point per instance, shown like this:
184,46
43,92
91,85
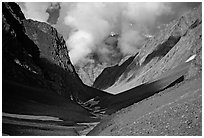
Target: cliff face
169,48
54,58
38,77
89,72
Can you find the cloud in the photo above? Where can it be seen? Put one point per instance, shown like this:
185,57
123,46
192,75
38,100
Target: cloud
36,10
41,11
80,45
90,27
98,20
86,26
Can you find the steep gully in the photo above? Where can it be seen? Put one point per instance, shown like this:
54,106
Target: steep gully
39,79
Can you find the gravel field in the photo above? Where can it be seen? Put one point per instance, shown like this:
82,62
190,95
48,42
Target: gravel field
175,111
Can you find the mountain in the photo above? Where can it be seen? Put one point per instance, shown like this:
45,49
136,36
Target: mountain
174,53
89,71
111,74
165,50
43,95
37,75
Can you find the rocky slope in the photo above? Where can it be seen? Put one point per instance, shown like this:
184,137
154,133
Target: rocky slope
110,74
38,48
89,72
168,48
37,75
175,110
39,81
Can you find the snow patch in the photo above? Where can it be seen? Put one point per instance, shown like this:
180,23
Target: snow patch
191,58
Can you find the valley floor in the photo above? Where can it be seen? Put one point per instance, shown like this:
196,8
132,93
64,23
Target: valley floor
174,111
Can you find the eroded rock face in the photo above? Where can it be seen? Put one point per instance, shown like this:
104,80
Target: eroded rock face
89,72
38,78
34,62
53,50
35,54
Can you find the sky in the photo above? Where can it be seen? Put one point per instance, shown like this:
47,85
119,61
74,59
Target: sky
86,26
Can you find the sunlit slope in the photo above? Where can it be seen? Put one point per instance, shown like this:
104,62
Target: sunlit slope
168,48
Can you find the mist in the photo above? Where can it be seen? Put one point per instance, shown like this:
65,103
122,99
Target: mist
92,22
36,10
85,26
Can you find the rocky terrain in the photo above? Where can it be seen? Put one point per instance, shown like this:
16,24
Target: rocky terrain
38,77
176,110
167,49
111,74
158,89
89,72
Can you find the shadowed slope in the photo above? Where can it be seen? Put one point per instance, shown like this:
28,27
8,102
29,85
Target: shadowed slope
110,75
146,90
37,75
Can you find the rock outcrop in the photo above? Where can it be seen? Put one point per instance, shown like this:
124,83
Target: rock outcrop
89,72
